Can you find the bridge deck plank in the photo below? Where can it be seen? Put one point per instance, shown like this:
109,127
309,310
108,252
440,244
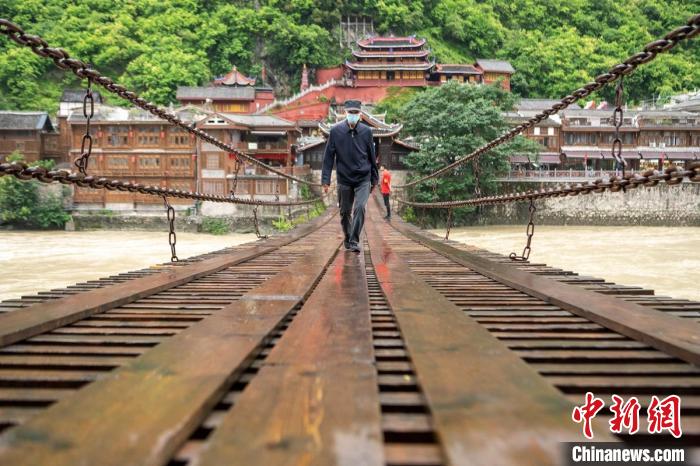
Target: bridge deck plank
315,399
488,406
141,412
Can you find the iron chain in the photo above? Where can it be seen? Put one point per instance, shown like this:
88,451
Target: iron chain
671,176
449,224
618,117
84,159
23,172
530,232
172,238
62,59
255,222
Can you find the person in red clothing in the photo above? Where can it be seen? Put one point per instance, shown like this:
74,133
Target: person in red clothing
385,186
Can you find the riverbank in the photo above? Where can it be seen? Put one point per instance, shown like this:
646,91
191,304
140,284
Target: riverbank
662,205
659,258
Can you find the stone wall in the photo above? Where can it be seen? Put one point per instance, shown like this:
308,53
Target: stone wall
658,206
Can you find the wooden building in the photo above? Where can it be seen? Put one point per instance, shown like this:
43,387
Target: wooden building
132,144
30,133
71,99
390,61
495,70
232,93
265,137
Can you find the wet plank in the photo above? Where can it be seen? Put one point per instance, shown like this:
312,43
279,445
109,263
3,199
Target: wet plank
41,317
665,332
315,400
499,412
150,406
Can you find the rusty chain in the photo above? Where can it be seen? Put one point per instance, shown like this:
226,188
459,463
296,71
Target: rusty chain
235,177
530,231
23,172
618,115
172,238
62,59
477,176
650,51
671,176
84,159
449,224
255,222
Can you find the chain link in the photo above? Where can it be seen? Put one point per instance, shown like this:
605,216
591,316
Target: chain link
449,224
235,176
23,172
62,59
256,222
649,53
172,238
530,232
618,117
672,176
84,159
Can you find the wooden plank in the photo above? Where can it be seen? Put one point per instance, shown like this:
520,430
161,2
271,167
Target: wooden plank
41,317
670,334
315,400
142,412
488,406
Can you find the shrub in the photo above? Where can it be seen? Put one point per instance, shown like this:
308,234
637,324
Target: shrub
215,226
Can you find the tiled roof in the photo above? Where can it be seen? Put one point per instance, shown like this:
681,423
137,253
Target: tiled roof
456,68
258,120
541,104
25,121
77,95
216,92
497,66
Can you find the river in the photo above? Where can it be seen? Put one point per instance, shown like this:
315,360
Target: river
664,259
32,261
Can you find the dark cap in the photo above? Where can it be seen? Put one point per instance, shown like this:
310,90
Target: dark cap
353,104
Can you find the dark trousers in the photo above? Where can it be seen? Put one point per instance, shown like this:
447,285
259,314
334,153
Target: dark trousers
353,200
386,204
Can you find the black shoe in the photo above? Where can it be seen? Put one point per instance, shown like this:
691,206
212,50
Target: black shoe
356,249
347,245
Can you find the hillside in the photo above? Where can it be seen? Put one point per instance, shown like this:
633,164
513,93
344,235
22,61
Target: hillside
155,45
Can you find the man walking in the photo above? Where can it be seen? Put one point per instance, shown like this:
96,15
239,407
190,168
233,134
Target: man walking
385,187
351,147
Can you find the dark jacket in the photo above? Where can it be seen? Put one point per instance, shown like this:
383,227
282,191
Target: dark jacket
352,150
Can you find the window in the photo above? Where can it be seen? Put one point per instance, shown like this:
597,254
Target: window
179,163
537,130
149,163
178,138
213,187
118,163
212,162
550,131
117,135
580,139
148,136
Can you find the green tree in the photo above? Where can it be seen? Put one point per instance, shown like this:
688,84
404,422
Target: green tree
22,205
451,121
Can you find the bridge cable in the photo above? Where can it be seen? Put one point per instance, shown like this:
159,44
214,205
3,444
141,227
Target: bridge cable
83,70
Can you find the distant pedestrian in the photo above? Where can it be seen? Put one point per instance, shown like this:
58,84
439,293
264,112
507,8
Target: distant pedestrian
351,147
385,187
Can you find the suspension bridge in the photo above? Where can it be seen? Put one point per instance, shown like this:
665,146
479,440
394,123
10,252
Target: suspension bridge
289,350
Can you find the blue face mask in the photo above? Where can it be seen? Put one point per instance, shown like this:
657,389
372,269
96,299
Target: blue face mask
353,118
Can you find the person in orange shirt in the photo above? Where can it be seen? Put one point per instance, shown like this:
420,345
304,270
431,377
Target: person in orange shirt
385,186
